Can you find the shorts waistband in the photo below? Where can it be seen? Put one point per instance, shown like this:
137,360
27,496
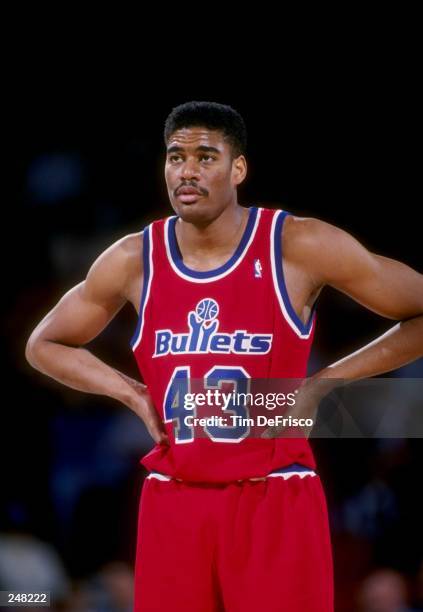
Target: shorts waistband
295,469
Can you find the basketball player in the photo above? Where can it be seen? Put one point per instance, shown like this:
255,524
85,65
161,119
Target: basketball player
225,293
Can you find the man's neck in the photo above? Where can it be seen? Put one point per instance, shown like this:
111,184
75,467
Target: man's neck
219,238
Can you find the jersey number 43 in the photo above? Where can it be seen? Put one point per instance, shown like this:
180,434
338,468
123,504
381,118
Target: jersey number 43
234,415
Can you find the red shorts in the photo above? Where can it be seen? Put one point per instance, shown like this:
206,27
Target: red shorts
238,547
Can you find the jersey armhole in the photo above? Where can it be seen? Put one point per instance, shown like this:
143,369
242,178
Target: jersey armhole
303,330
147,259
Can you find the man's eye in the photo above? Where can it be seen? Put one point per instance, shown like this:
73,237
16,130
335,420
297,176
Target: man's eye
206,157
174,158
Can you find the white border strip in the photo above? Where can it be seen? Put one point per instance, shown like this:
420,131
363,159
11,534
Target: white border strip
285,313
147,295
158,476
287,475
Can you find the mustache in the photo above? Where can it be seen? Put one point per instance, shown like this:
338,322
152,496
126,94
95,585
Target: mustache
202,190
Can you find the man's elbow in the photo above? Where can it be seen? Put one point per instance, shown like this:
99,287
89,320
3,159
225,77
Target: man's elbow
32,350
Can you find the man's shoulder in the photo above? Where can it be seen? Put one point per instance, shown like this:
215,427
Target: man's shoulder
131,244
305,236
298,230
129,248
297,227
129,251
124,255
303,227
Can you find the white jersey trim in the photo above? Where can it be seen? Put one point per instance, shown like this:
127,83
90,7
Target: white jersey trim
211,278
147,257
302,330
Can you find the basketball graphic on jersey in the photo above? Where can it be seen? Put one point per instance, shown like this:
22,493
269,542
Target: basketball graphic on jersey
207,310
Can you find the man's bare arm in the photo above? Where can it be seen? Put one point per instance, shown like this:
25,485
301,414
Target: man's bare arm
55,347
388,287
330,256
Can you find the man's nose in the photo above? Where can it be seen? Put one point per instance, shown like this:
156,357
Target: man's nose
190,170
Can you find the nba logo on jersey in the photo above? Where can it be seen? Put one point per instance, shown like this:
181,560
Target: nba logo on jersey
257,268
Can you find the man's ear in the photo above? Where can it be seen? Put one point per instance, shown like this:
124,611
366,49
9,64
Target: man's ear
239,169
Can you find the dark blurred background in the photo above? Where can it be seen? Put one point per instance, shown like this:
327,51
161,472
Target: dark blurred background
85,167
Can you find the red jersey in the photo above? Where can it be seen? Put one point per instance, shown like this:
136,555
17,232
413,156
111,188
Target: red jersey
233,323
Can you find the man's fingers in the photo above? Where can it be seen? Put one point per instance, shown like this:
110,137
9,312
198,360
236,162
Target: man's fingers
144,408
160,437
156,428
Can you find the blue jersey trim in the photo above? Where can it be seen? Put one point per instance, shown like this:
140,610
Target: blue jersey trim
176,254
146,278
304,328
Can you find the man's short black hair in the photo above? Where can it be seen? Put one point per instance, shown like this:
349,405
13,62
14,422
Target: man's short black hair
213,116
